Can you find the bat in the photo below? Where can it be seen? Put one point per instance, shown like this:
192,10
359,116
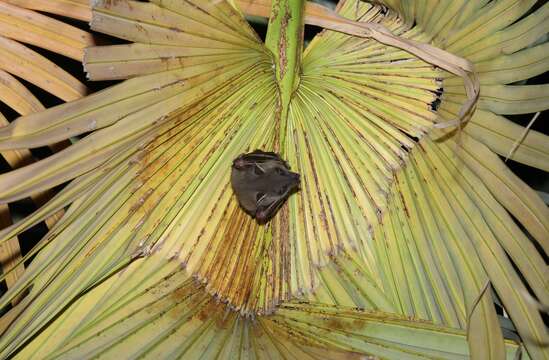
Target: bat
262,181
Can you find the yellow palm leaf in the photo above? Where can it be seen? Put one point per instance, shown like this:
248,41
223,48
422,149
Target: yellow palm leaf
397,244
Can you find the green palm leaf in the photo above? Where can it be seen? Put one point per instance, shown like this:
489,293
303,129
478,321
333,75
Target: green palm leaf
392,246
17,26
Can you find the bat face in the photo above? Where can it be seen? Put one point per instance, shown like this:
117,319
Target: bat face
262,181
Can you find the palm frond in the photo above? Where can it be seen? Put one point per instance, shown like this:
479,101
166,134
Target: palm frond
19,25
77,9
392,247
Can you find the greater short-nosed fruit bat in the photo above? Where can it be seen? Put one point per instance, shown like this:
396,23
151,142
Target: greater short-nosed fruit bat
262,181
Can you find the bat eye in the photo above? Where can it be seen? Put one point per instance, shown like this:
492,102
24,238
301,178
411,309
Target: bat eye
259,195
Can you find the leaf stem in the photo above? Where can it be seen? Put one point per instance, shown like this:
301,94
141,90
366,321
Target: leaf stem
285,41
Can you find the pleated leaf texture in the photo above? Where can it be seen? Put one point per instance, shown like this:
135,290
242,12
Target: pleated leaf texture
20,64
397,245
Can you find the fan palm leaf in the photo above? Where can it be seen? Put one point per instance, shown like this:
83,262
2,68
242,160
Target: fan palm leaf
392,246
76,9
19,25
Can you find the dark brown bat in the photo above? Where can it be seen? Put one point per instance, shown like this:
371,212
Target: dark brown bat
262,181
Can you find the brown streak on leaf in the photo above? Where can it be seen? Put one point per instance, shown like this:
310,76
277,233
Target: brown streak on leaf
282,45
